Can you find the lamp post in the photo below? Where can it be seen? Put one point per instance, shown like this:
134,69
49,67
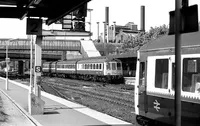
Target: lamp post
97,31
114,32
104,39
7,64
31,75
7,60
90,10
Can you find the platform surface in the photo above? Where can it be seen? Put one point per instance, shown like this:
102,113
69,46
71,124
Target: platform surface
57,111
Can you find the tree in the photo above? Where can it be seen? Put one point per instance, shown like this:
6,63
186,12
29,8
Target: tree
145,37
110,48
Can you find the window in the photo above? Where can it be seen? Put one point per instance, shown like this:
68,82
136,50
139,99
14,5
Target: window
100,66
90,66
161,75
118,66
114,66
52,66
93,66
173,76
87,66
191,75
108,66
97,66
142,74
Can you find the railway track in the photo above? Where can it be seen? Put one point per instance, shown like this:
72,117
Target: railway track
93,95
90,93
50,89
97,84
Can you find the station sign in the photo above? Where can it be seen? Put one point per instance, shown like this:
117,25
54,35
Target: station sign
38,69
34,26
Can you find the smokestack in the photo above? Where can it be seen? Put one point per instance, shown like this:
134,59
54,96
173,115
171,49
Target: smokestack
107,23
142,21
107,15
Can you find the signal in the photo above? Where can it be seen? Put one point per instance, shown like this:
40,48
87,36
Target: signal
79,18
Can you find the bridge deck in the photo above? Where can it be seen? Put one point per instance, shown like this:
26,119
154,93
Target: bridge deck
52,45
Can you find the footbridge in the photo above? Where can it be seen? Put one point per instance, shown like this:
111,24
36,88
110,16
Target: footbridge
51,48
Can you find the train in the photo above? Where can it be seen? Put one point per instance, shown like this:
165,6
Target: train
155,81
100,69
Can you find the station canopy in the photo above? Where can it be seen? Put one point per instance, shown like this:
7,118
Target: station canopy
53,10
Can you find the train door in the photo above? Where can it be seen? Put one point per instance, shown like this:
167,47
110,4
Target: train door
156,99
107,68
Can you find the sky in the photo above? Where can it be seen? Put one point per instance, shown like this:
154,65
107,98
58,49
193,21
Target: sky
120,11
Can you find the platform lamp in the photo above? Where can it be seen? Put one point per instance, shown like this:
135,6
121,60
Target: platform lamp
90,10
7,60
97,31
114,30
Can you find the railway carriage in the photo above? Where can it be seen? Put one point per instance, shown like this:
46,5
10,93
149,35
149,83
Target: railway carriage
66,68
49,68
155,81
100,69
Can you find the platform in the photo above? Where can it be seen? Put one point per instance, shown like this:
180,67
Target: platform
57,111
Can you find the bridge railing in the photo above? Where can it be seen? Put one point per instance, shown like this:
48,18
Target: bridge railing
54,45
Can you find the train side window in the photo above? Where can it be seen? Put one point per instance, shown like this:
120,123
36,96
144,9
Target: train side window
113,66
191,75
118,66
108,66
93,66
87,66
173,76
161,76
99,66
